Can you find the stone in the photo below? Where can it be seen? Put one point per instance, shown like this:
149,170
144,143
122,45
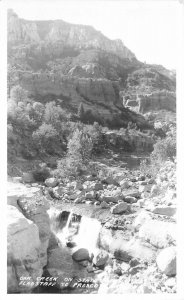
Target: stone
73,196
77,200
104,204
90,195
23,250
117,269
133,193
134,262
28,177
164,210
100,258
81,254
109,199
78,186
155,190
110,180
98,186
124,184
143,183
157,233
89,202
51,182
90,269
166,261
151,181
130,199
119,208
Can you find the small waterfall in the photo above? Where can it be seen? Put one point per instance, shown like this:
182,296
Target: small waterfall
64,233
88,234
69,227
65,230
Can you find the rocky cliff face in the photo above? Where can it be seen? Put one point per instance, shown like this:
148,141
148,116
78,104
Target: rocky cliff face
28,234
157,101
78,36
76,64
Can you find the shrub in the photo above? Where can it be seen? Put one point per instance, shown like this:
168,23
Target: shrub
164,149
45,138
18,94
41,173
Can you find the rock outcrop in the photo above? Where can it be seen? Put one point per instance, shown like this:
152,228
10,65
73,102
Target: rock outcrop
28,244
157,101
23,252
78,36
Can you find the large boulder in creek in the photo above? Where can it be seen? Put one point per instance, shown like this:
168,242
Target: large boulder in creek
80,254
100,258
23,251
166,261
157,233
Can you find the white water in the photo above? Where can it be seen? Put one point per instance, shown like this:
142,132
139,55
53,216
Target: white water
88,234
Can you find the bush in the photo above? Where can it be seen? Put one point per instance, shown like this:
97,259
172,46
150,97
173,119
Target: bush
45,139
164,149
41,173
18,94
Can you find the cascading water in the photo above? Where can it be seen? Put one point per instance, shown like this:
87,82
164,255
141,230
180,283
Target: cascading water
88,234
81,231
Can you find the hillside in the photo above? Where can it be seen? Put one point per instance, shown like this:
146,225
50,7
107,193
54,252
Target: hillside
73,64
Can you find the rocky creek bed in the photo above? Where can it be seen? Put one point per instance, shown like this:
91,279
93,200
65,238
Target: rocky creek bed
116,235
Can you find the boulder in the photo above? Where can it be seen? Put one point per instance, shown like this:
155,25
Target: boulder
51,182
100,258
109,199
23,251
124,184
78,186
164,210
166,261
157,233
98,186
104,204
81,254
155,190
119,208
91,195
28,177
133,193
130,199
110,180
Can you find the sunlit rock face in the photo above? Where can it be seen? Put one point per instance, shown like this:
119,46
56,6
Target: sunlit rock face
23,251
20,30
157,101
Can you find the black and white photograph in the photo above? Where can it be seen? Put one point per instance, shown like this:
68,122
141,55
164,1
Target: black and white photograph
91,147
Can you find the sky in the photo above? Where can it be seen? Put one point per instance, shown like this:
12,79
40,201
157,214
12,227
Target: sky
148,28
